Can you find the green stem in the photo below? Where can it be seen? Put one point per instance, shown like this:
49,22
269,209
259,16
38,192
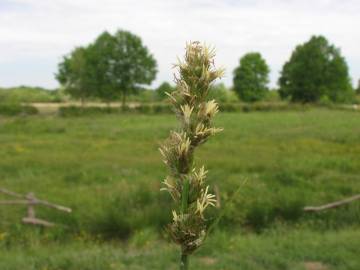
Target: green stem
184,262
185,196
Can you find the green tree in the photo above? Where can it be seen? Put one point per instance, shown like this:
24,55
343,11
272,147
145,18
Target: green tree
113,66
315,70
127,62
100,59
164,88
251,77
73,74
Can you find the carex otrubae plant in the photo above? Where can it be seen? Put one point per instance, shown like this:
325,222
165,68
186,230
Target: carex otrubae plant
186,181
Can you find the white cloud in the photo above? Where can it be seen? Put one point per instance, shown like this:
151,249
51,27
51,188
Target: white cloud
34,34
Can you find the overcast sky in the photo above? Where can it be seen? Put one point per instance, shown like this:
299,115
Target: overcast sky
35,34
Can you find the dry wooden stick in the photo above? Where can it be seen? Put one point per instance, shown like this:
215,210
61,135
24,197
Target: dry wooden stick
10,202
36,221
31,199
37,202
10,193
331,205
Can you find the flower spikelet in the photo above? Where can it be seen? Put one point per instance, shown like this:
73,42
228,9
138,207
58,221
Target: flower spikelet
185,183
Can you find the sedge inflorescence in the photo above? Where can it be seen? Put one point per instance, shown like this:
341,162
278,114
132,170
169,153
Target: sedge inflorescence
186,182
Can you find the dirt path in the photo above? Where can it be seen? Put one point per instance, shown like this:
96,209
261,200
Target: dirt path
53,108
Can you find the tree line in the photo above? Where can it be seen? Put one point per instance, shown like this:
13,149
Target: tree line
117,65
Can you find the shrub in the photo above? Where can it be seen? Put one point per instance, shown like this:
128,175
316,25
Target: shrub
25,94
272,96
112,221
219,92
143,96
120,216
261,107
229,107
162,108
325,101
67,111
144,108
164,88
16,109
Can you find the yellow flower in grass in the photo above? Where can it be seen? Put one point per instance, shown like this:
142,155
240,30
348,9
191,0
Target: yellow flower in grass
3,235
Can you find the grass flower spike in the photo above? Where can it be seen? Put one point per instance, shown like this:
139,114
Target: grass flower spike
186,183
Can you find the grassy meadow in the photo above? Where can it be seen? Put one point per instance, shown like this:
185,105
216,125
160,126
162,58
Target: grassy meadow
107,168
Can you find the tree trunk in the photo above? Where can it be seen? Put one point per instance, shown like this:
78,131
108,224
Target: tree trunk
123,101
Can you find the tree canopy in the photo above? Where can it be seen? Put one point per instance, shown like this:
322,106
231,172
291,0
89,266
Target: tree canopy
74,75
251,77
315,70
164,88
110,67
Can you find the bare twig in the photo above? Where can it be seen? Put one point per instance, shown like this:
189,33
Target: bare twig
55,206
331,205
36,221
10,193
31,199
14,202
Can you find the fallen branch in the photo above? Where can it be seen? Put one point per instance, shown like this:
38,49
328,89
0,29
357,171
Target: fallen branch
36,221
331,205
14,202
35,201
11,193
31,201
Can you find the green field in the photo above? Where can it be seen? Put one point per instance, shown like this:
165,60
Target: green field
108,169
